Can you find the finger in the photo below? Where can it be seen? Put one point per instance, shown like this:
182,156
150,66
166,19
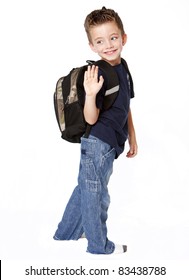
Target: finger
101,80
85,75
96,70
131,153
88,71
93,71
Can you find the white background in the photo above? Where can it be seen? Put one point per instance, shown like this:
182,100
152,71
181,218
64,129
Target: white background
43,40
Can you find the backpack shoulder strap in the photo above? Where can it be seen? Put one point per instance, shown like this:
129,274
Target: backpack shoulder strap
110,75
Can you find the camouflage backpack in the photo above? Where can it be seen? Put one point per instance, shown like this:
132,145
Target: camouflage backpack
69,97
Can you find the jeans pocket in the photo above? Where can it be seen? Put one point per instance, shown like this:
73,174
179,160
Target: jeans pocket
88,147
108,157
107,165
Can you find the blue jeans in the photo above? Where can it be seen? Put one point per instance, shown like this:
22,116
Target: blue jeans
87,208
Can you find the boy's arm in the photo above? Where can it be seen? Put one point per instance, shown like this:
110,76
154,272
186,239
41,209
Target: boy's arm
131,137
92,86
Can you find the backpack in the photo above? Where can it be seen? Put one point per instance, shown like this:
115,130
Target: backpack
69,98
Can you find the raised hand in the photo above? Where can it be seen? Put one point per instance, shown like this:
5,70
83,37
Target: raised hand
92,84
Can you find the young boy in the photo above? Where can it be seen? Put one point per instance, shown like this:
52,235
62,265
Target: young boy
86,211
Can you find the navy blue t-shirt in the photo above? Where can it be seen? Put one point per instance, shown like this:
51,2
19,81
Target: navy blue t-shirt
111,126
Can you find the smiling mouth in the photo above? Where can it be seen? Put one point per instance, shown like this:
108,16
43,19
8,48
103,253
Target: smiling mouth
110,52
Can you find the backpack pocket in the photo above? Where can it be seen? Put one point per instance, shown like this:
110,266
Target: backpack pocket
75,122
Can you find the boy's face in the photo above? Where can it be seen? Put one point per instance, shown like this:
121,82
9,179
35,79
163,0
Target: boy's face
107,41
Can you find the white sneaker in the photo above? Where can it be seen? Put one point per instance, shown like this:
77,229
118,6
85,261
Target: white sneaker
119,249
83,235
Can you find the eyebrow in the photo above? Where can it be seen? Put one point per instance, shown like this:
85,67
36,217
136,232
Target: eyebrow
100,38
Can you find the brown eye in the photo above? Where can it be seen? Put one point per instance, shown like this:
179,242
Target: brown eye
114,38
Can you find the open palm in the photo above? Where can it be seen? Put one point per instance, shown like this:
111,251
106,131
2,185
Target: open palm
91,83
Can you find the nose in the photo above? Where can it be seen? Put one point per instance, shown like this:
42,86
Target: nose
109,44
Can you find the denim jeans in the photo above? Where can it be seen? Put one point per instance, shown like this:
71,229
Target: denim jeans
87,208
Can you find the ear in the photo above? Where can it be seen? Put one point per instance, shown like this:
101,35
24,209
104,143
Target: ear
124,39
92,47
